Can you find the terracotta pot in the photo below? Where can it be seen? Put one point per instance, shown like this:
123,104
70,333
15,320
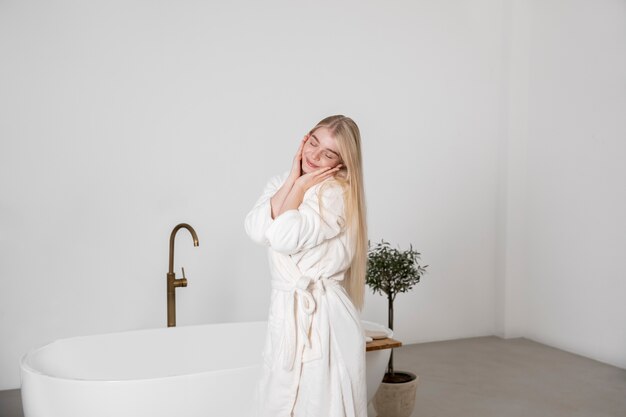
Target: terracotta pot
396,399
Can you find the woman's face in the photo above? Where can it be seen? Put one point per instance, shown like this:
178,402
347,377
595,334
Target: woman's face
320,150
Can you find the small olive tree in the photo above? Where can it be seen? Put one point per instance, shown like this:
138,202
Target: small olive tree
392,271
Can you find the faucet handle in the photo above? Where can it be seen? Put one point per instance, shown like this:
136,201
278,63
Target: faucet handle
183,280
183,268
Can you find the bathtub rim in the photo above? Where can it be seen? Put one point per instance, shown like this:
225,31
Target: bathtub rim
27,368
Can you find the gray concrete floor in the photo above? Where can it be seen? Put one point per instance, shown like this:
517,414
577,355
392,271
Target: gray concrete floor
11,403
489,376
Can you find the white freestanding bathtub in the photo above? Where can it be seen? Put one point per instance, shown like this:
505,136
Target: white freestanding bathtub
188,371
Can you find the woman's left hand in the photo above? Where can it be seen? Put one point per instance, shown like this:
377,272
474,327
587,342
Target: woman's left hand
308,180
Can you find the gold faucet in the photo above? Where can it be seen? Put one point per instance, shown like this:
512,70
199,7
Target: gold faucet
172,282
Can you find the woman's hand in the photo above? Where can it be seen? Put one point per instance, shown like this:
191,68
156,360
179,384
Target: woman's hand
278,199
308,180
296,166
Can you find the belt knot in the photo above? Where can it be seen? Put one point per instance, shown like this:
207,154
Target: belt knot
299,321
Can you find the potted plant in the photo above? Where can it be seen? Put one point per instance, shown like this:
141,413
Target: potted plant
392,271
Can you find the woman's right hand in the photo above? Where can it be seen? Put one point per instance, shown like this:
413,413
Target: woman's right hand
296,166
308,180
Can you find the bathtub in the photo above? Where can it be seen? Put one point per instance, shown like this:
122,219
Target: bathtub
205,370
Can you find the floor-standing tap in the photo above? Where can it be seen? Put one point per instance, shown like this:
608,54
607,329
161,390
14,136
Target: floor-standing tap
172,282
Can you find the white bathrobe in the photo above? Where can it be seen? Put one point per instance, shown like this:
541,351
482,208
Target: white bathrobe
314,354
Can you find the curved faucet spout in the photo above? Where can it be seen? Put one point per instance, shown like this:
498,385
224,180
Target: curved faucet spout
173,236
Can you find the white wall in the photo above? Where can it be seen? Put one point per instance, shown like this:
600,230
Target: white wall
576,193
561,196
511,240
119,120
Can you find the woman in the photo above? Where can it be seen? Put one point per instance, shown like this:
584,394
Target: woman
312,218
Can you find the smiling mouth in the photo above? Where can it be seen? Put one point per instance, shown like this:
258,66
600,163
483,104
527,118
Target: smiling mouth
310,164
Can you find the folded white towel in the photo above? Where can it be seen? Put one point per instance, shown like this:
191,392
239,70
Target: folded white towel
375,331
376,334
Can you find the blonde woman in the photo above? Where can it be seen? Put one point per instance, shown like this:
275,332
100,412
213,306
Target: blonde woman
312,219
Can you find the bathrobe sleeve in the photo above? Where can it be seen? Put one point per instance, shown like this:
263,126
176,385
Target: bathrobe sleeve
308,225
260,217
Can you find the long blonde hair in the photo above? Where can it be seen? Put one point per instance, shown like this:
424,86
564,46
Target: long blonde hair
350,177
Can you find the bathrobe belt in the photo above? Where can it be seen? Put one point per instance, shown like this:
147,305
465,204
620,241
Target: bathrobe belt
299,322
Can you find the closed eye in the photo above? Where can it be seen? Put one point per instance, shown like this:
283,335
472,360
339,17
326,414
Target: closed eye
315,142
